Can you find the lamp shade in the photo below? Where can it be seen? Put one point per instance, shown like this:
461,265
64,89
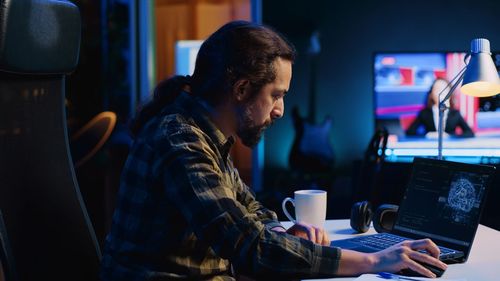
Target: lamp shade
481,77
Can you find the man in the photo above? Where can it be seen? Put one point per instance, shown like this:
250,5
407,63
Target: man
183,211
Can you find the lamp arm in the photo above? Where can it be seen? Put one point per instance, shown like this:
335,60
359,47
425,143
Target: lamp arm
454,84
442,107
452,89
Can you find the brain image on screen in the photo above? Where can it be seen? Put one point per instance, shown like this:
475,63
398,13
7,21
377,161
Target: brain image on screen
461,198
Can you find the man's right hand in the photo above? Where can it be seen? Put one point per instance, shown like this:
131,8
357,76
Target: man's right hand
407,255
404,255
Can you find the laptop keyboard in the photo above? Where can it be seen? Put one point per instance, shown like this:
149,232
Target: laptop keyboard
385,240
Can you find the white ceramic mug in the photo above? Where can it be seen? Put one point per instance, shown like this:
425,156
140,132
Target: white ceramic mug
310,207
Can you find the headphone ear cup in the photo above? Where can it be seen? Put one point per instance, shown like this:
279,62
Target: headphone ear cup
361,216
385,217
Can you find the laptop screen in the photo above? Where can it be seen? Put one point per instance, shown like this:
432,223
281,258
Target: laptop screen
454,195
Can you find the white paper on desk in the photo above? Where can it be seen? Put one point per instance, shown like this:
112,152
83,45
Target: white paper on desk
375,277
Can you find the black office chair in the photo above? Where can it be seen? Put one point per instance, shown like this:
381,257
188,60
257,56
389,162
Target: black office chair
47,230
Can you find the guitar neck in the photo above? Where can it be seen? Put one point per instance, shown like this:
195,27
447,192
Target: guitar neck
312,91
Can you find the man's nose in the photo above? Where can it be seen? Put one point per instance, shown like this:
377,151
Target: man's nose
278,110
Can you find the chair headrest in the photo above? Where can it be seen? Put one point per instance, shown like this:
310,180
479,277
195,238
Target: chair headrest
39,37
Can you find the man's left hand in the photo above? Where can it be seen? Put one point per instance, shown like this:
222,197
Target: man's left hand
309,232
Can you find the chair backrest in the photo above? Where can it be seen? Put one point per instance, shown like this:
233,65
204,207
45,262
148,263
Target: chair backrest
46,222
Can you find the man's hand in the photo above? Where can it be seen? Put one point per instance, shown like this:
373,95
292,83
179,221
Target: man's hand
398,257
406,255
309,232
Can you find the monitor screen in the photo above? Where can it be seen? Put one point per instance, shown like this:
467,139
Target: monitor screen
185,56
404,106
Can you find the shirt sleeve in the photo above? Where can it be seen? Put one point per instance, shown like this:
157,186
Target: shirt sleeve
193,180
246,197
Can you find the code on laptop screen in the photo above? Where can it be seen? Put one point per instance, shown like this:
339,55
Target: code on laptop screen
443,201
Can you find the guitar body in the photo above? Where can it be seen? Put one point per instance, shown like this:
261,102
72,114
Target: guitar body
311,149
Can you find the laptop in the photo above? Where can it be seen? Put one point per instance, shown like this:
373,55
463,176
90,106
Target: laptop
443,201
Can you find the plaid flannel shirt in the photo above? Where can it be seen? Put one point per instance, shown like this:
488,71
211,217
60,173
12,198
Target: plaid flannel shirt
184,213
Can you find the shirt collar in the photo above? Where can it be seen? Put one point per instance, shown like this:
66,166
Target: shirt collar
197,109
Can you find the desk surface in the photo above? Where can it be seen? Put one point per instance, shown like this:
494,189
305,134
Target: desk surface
483,263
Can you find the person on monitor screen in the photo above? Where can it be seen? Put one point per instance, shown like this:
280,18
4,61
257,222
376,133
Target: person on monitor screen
183,211
427,119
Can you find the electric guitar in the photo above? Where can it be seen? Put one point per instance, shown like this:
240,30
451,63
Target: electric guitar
311,149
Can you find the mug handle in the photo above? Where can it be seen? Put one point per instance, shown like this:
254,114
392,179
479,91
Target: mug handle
283,206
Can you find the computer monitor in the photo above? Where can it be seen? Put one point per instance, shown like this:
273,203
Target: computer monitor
185,56
401,83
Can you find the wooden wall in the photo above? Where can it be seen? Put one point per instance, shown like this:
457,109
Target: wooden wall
196,20
190,20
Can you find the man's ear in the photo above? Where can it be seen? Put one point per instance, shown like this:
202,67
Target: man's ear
241,90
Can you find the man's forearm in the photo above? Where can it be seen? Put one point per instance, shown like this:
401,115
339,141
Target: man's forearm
354,263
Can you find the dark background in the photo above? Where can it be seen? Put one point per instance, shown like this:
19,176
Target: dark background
351,32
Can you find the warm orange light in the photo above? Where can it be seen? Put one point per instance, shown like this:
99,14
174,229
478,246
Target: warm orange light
481,89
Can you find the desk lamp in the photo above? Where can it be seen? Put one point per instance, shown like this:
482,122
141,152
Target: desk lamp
479,78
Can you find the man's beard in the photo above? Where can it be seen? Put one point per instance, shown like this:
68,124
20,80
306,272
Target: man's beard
249,133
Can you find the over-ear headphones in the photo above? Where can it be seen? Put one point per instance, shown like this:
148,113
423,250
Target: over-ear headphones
383,219
361,216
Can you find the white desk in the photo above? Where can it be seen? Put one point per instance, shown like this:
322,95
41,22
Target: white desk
483,263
